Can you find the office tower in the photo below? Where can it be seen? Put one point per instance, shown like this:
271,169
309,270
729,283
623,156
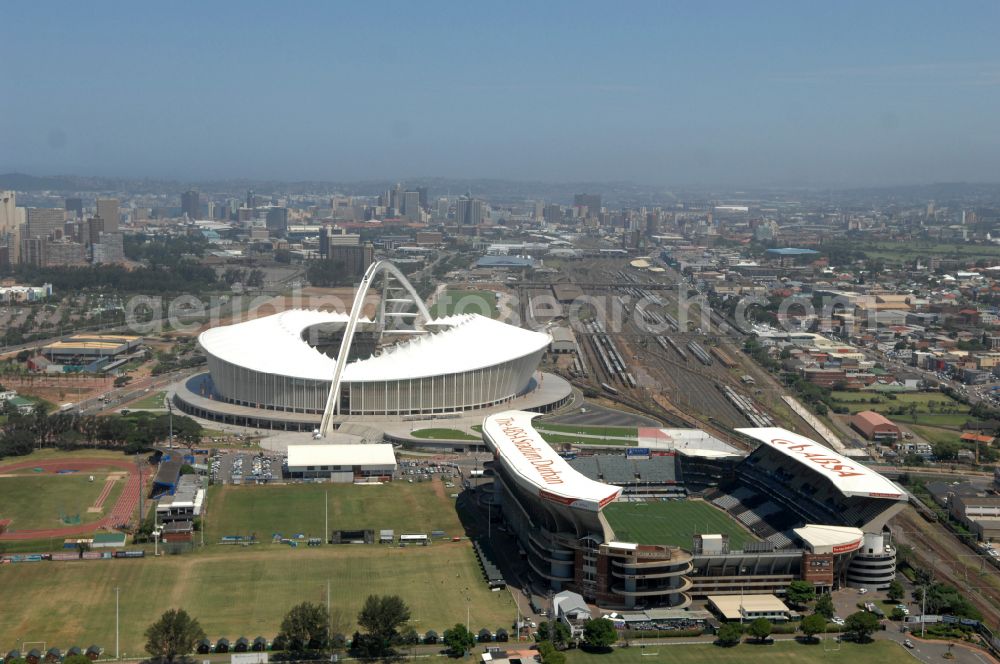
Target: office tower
63,253
539,210
356,258
590,201
331,236
191,204
423,196
469,211
107,209
277,221
442,209
251,200
411,205
10,222
75,205
396,199
95,226
210,214
44,222
552,213
31,250
110,249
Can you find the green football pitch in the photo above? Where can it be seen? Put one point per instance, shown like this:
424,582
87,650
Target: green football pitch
672,522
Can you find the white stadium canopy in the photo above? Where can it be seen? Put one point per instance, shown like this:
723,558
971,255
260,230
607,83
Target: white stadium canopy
538,468
850,477
275,345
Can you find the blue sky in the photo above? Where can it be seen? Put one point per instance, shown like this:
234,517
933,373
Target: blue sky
741,93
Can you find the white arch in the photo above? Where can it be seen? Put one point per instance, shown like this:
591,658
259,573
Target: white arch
333,400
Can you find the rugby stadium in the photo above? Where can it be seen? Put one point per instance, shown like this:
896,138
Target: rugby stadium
791,509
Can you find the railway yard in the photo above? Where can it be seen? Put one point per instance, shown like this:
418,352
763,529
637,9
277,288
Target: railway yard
644,344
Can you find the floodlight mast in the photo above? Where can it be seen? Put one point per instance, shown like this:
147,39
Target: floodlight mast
422,317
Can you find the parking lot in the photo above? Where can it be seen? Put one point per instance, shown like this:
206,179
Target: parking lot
245,467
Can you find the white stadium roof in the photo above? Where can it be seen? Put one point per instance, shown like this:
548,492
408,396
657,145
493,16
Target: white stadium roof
830,539
850,477
379,454
274,345
538,467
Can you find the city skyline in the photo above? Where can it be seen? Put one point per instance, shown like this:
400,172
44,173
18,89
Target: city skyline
667,96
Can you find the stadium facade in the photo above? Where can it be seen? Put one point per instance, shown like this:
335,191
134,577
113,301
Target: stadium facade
814,514
555,512
416,365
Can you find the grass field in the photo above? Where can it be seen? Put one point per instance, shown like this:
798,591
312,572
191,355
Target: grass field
621,432
149,401
672,522
39,501
443,434
931,408
466,302
935,435
782,652
244,591
299,508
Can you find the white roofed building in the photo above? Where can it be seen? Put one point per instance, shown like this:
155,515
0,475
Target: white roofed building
342,463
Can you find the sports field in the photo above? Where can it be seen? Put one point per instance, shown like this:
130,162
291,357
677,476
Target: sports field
236,591
153,400
299,508
51,501
672,522
466,302
782,652
443,434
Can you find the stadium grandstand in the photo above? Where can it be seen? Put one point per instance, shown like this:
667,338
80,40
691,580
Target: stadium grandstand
790,510
318,366
556,514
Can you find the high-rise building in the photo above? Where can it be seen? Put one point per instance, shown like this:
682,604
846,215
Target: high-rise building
423,196
539,210
10,225
442,209
277,221
191,204
107,209
469,211
396,199
44,222
553,213
331,236
63,253
590,201
411,205
75,205
110,249
95,226
356,258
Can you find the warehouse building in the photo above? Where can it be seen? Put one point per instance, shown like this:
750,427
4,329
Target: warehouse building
875,426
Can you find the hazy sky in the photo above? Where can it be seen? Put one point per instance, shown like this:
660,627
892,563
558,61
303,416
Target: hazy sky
747,92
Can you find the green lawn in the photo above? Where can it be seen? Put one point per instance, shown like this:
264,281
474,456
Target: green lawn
244,591
782,652
466,302
299,508
41,500
621,432
672,522
443,434
955,418
935,435
154,400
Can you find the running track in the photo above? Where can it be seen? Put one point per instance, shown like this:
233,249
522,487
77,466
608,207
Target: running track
123,511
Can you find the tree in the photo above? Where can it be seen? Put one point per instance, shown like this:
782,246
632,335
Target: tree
459,640
173,636
549,654
812,625
501,635
897,613
800,593
431,637
729,634
861,625
484,636
946,450
760,629
824,606
599,634
305,627
556,632
381,617
896,591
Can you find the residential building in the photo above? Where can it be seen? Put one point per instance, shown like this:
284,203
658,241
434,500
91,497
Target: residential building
107,209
